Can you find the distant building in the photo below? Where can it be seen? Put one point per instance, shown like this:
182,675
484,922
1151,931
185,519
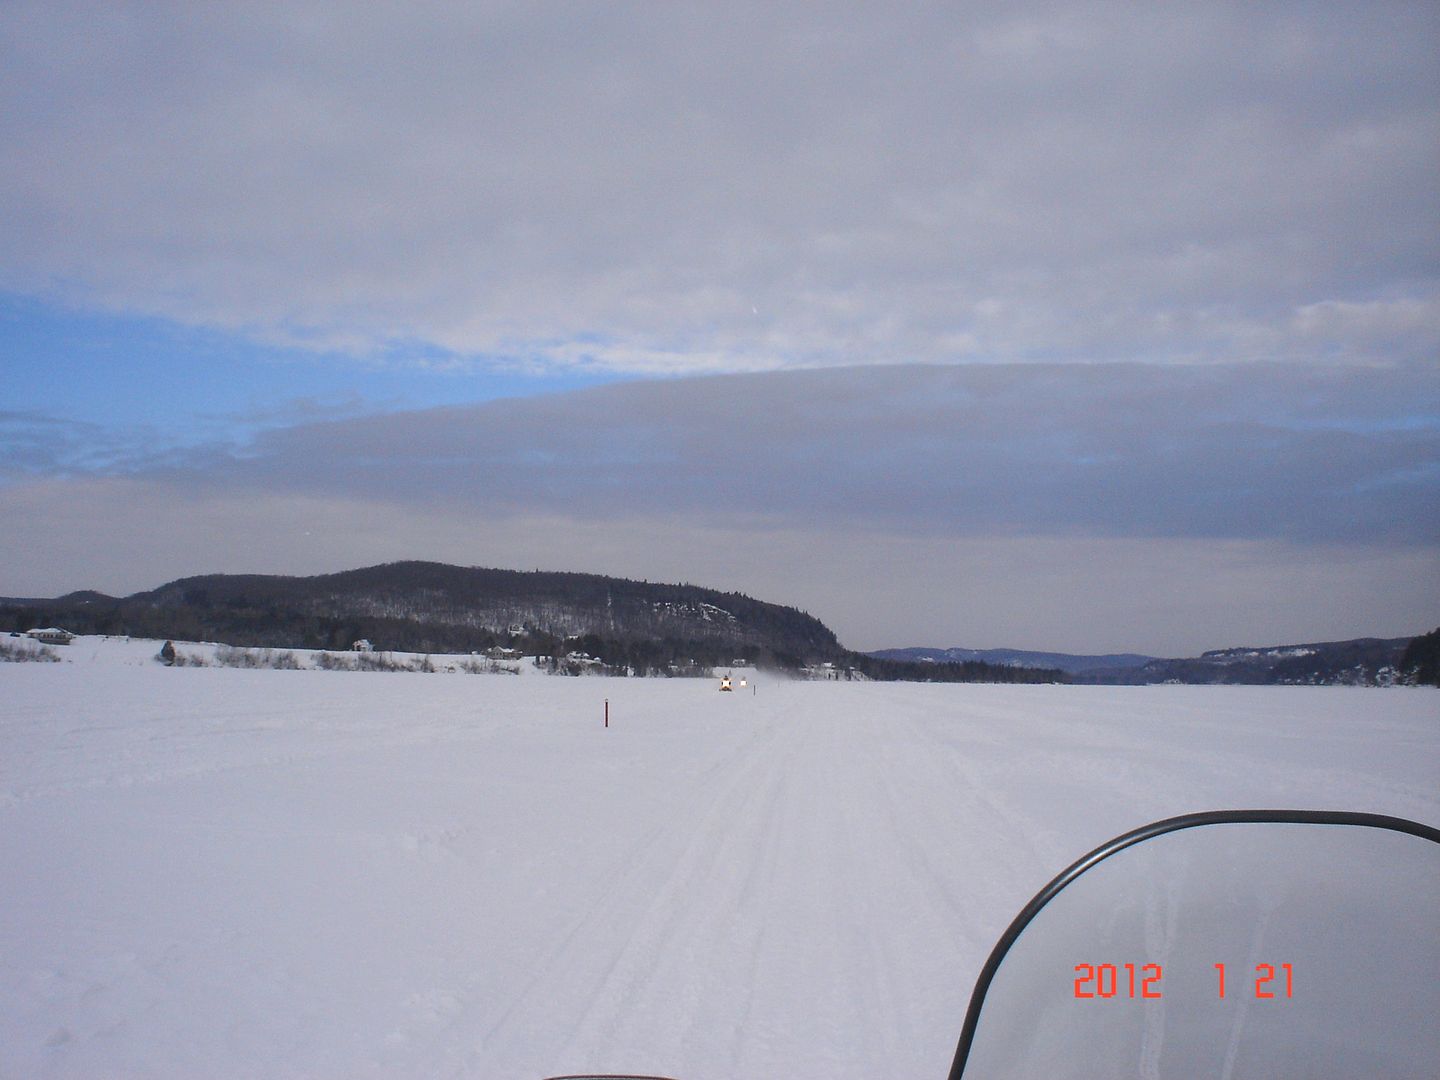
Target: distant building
51,635
363,645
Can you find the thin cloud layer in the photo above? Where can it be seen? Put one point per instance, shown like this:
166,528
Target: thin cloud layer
1307,455
686,187
1251,452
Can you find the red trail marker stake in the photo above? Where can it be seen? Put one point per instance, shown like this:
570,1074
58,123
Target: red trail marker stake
607,712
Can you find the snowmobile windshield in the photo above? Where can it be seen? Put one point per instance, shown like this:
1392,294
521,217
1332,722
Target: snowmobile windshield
1239,945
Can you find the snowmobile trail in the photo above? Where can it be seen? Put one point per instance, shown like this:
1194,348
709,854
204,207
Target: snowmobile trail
678,919
794,881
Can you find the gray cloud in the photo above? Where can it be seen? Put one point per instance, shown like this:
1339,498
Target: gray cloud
35,445
682,187
1305,454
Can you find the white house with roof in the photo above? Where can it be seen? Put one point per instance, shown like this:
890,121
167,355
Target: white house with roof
51,635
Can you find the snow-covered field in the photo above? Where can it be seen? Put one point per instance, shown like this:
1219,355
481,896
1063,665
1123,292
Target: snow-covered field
210,872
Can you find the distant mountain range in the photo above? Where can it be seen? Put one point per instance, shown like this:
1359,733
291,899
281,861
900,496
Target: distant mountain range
1358,662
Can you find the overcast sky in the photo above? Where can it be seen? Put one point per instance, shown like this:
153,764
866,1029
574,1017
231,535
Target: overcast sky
1082,327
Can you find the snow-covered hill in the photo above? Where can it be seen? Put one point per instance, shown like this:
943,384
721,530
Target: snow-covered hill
235,873
433,607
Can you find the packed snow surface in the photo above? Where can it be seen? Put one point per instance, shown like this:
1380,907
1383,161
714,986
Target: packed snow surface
232,873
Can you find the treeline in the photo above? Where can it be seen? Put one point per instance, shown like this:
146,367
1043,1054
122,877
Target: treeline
1420,663
873,667
249,627
1357,662
655,656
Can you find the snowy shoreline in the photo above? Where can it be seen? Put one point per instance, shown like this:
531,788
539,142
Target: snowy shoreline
111,651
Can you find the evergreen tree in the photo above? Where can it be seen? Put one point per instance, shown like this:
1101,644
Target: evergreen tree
1421,662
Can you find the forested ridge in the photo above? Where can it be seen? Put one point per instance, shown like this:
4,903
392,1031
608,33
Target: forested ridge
627,626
